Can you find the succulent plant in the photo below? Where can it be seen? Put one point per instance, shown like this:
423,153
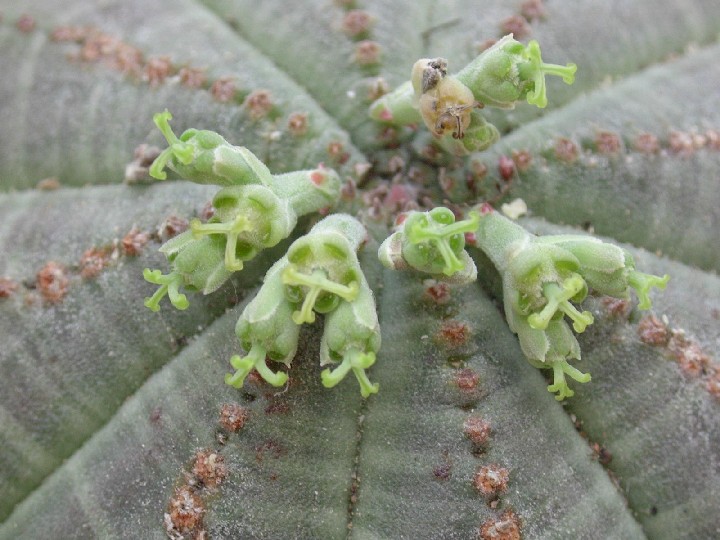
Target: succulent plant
116,421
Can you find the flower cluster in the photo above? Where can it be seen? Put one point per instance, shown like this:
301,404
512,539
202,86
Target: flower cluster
449,105
544,277
320,273
253,211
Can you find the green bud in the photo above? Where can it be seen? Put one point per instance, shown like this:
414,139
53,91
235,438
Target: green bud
543,276
399,107
307,191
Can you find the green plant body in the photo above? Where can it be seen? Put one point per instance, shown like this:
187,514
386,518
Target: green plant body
403,361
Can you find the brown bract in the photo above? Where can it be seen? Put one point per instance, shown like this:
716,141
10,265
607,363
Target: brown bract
53,282
356,23
48,184
504,527
209,468
616,307
233,417
297,124
532,10
689,355
566,150
25,23
437,291
646,143
172,226
467,379
192,77
93,261
156,70
653,331
608,143
7,287
223,89
258,103
522,160
516,25
506,167
367,52
453,333
477,430
134,242
491,480
185,514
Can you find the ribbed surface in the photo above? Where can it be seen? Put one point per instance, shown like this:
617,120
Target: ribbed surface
103,404
67,367
80,122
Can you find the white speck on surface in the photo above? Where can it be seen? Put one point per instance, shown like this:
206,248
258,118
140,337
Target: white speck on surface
514,209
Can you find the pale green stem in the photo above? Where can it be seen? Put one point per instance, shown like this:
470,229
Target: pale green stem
642,283
358,362
232,230
169,285
316,283
558,298
255,359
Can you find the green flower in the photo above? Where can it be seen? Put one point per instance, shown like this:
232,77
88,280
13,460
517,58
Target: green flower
509,72
323,268
251,218
197,265
449,105
352,337
255,210
320,273
432,242
205,157
544,277
266,329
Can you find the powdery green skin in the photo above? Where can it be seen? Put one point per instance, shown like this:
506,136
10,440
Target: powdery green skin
543,277
499,77
320,273
432,242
